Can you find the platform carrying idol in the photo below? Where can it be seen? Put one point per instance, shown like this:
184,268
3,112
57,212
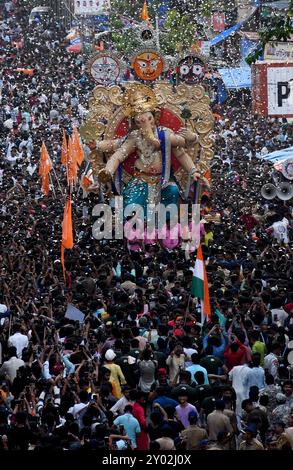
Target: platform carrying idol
146,152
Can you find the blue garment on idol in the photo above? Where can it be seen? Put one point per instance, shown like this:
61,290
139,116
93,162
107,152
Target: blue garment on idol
142,193
137,192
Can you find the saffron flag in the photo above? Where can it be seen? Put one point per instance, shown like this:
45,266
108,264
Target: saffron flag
45,166
144,12
200,287
78,149
67,232
64,150
87,180
72,163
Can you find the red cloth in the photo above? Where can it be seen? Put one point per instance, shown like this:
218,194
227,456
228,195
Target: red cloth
288,307
234,358
142,439
249,221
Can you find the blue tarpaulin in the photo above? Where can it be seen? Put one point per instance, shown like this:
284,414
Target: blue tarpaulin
227,32
238,77
279,155
247,47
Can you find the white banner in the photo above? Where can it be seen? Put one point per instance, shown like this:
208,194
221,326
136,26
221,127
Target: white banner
91,7
279,51
280,90
205,48
73,313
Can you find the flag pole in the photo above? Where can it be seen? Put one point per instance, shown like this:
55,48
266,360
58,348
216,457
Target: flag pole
53,188
57,179
187,309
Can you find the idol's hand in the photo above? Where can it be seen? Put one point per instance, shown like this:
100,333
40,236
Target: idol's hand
197,177
92,144
188,135
104,176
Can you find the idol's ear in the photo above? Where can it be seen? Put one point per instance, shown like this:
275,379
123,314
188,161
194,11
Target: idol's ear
157,116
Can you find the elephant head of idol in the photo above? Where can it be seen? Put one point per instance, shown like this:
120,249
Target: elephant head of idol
140,104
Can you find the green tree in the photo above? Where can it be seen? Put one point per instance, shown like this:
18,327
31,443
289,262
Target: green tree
279,29
206,8
181,30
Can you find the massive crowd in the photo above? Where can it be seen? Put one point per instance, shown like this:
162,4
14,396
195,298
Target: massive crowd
141,371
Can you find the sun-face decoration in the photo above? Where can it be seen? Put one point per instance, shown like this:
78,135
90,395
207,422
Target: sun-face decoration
105,68
287,169
148,65
190,69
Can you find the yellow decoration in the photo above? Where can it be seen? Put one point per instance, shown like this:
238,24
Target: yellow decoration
139,99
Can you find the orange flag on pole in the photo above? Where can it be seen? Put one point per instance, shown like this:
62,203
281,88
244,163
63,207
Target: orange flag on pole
64,150
144,12
65,155
45,166
72,164
77,147
67,232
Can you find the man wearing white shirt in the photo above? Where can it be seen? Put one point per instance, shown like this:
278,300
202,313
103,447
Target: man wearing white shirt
10,367
278,313
271,361
238,377
76,409
8,123
12,155
118,408
18,340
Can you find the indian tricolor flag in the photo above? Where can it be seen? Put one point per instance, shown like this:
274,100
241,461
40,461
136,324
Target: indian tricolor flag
200,287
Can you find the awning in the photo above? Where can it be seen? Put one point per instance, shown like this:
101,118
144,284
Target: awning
235,78
252,36
279,155
281,5
226,33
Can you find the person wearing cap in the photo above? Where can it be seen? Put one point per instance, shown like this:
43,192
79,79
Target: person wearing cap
279,438
250,442
282,410
193,435
116,378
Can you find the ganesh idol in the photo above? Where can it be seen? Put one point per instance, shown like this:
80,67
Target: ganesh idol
151,147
